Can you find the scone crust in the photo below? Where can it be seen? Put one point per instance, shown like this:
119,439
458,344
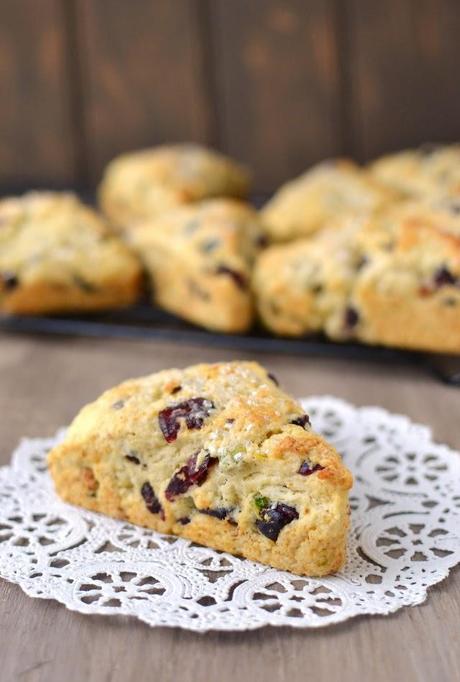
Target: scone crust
141,185
256,453
57,255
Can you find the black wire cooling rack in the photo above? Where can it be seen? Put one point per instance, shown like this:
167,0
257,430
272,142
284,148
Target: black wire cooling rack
149,323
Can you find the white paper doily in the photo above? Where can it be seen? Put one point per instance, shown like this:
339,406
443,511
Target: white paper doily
405,537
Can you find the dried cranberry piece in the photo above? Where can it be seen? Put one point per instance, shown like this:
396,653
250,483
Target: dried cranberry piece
219,513
275,518
273,378
237,277
194,411
351,317
132,458
307,468
151,500
262,241
184,520
84,285
189,475
443,277
303,421
10,280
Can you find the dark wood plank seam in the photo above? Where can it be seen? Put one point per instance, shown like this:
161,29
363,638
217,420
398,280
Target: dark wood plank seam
209,68
343,25
76,92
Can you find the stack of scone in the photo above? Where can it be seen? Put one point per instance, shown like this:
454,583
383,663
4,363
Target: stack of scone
391,278
179,208
366,253
58,255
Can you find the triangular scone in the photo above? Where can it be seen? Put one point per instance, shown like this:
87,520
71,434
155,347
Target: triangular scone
324,193
199,260
56,254
214,453
408,292
141,185
303,287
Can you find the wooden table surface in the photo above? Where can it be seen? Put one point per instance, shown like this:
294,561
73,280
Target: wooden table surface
45,381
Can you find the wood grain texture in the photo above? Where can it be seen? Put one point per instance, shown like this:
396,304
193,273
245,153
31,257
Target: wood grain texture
35,119
402,65
45,381
277,84
143,76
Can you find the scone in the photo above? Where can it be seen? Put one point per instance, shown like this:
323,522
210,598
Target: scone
217,454
57,255
392,278
430,171
324,193
199,260
141,185
408,293
304,286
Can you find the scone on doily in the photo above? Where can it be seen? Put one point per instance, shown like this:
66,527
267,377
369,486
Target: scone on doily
217,454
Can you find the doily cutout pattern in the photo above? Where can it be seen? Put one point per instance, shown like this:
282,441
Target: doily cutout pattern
405,537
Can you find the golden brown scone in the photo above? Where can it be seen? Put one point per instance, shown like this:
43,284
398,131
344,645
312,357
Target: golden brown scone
141,185
409,293
430,171
56,255
392,278
324,193
304,286
199,260
214,453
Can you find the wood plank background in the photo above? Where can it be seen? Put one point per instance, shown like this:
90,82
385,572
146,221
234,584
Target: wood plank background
279,84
